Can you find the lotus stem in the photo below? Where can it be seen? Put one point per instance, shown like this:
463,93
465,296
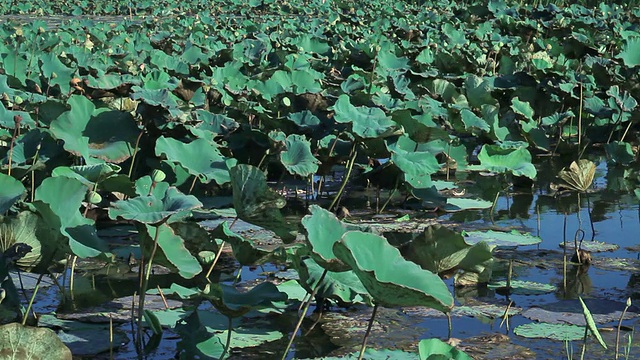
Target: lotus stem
145,283
110,337
593,229
164,300
135,152
584,343
354,153
35,291
493,207
505,316
226,346
304,314
73,270
238,276
449,326
215,261
13,140
580,118
627,305
193,183
366,334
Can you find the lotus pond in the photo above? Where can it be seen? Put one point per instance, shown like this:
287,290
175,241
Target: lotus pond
312,179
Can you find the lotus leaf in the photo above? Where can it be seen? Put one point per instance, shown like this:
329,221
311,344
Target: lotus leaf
501,239
504,158
12,191
323,230
630,53
17,341
561,332
344,287
395,281
436,348
21,229
152,209
245,250
620,152
520,287
173,252
233,303
297,158
257,204
367,122
200,158
580,175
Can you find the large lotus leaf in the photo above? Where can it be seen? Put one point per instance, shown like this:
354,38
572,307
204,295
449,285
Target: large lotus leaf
373,354
200,157
304,119
174,253
323,230
461,204
21,229
233,303
473,121
196,237
367,122
152,209
620,152
55,71
197,342
580,174
433,349
417,167
87,174
298,159
478,91
500,159
394,281
35,142
245,250
420,128
258,204
520,287
344,286
621,99
112,135
562,332
70,125
145,186
58,200
442,250
501,239
24,342
162,98
630,53
12,191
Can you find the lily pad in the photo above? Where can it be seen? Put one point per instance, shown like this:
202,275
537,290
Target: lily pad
570,312
24,342
592,246
436,349
460,204
561,332
501,239
520,287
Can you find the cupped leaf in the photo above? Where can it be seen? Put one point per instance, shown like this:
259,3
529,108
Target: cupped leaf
505,158
298,159
579,176
152,209
436,349
24,342
200,157
258,204
173,254
591,324
394,281
323,230
12,191
233,303
21,229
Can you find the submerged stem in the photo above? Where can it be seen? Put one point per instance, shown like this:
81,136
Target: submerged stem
226,346
145,284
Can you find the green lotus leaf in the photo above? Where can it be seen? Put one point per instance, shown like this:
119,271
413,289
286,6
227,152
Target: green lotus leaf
233,303
257,204
161,98
620,152
592,246
579,176
373,354
504,158
436,348
12,191
145,186
630,53
304,119
367,122
152,209
25,149
344,287
478,91
197,341
200,157
58,200
293,289
441,250
173,252
461,204
394,281
21,229
501,239
561,332
246,337
245,250
473,121
211,125
51,65
621,99
87,174
24,342
323,230
298,158
519,287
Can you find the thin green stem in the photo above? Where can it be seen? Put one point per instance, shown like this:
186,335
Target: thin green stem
26,313
354,153
226,346
145,283
135,152
620,325
366,334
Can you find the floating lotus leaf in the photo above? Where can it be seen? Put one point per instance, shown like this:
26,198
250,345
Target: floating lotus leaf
201,158
436,349
153,209
21,229
297,158
501,239
520,287
257,204
323,230
569,312
442,250
561,332
394,281
579,176
373,354
592,246
515,159
12,190
24,342
461,204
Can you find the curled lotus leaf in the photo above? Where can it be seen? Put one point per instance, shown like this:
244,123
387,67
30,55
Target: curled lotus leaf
580,175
